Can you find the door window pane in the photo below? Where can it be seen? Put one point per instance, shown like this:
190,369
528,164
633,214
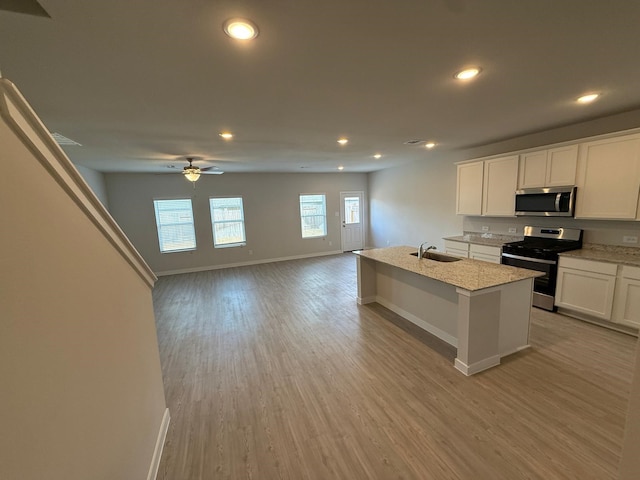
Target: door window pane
351,210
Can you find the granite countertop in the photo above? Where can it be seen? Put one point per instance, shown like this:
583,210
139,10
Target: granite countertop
607,253
489,239
467,274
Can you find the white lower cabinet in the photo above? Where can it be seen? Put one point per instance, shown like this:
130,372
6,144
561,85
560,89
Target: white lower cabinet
586,286
457,249
627,299
485,253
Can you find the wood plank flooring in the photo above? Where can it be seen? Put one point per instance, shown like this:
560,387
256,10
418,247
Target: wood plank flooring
274,372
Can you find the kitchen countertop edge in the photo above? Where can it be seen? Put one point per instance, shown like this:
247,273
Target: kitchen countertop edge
467,274
606,253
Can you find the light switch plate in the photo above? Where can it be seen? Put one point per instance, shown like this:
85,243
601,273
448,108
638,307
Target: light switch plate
629,239
512,230
485,228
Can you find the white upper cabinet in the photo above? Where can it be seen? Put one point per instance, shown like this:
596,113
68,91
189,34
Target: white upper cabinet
499,187
533,169
608,178
487,187
469,189
548,168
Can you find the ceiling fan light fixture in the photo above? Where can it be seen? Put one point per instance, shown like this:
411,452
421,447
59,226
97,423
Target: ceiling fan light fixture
588,98
192,174
468,73
240,29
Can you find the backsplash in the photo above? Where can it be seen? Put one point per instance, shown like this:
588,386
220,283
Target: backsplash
603,232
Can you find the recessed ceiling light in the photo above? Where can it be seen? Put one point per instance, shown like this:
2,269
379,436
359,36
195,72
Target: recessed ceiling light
377,156
343,141
468,73
340,167
588,98
240,29
226,135
430,145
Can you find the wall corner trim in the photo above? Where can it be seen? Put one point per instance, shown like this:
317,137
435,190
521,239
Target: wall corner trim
24,122
157,452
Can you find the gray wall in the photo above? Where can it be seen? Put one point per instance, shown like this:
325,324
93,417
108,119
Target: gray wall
413,204
416,202
272,218
96,181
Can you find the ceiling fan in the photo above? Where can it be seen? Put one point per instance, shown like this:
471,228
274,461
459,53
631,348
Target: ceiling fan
192,172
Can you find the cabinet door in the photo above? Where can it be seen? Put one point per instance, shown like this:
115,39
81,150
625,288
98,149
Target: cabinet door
500,183
609,178
469,189
561,168
533,169
585,292
626,307
628,302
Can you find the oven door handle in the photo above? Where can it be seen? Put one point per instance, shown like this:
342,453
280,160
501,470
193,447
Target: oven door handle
529,259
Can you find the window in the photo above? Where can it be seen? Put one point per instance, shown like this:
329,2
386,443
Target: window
313,216
174,219
227,220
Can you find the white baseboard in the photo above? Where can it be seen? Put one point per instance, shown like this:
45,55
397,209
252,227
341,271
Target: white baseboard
245,264
478,366
157,452
441,334
365,300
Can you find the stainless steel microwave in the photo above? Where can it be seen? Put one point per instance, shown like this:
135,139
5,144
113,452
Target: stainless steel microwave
546,202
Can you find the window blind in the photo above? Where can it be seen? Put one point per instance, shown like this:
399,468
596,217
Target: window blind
174,220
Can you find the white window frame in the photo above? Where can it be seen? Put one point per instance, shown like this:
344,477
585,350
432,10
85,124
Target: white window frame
217,244
166,226
302,216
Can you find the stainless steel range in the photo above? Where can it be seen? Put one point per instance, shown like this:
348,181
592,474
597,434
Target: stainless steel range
539,251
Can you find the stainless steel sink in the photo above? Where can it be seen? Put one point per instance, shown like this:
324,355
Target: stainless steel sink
438,257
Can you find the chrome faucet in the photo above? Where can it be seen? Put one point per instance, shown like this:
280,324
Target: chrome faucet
422,251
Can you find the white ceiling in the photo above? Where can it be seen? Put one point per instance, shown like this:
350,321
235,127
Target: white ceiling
140,83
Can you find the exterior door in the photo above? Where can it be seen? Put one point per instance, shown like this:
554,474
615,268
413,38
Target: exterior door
352,217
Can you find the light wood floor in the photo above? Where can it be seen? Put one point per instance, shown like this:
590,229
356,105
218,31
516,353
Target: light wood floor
274,372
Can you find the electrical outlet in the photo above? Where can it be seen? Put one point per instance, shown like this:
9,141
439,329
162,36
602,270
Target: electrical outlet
629,239
485,228
512,230
250,252
330,243
388,242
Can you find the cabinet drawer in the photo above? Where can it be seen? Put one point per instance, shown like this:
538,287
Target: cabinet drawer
630,272
588,265
484,257
453,245
485,249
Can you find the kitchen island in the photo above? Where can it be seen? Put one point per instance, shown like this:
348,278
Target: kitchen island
482,309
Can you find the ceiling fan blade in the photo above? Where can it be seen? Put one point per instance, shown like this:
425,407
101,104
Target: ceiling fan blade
211,172
206,169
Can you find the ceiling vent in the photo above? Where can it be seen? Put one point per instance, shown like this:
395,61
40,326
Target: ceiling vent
28,7
64,141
